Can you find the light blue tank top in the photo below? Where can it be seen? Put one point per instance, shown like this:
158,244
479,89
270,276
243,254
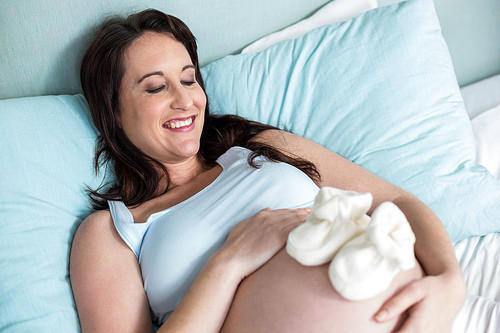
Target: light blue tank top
173,245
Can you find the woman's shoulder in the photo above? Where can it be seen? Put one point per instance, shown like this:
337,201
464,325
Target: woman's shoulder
97,219
96,228
97,237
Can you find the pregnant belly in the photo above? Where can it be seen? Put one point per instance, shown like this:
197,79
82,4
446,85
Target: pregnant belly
284,296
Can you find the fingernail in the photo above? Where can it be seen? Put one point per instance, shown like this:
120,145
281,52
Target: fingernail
382,315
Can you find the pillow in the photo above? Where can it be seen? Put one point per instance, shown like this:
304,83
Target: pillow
485,128
333,12
481,96
379,90
47,150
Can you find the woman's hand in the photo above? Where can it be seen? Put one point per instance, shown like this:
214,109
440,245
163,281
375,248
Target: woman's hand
254,241
249,245
431,303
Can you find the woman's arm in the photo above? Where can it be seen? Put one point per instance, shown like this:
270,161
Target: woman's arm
106,280
437,297
107,283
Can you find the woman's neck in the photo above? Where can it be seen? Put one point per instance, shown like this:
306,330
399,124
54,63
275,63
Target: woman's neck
183,172
187,179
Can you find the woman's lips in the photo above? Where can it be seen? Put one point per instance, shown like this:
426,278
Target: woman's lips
180,124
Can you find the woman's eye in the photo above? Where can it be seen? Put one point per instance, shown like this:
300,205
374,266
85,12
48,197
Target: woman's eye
155,90
188,83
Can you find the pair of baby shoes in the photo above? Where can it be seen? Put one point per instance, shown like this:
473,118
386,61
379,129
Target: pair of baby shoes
365,252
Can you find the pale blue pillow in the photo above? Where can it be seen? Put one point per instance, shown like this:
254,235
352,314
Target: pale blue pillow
379,90
47,146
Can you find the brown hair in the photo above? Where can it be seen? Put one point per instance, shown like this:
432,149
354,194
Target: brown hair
136,173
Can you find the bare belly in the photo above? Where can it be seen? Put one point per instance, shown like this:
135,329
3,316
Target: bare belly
284,296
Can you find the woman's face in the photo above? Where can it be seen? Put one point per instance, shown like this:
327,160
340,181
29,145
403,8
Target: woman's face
161,104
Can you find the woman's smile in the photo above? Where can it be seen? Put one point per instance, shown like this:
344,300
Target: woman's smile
185,124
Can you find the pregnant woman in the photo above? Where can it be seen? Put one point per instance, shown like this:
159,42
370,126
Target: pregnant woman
190,236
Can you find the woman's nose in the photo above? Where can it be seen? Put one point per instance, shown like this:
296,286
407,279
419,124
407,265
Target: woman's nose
182,99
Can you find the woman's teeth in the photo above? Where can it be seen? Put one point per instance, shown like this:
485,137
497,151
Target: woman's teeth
179,123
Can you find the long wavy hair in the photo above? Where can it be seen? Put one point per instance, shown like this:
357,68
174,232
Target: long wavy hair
137,175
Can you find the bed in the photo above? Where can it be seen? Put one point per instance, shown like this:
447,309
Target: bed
375,81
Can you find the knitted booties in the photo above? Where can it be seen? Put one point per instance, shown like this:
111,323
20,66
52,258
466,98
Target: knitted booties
337,217
366,265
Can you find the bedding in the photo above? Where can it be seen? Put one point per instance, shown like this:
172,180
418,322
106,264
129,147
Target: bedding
482,101
486,128
384,83
47,145
479,257
375,78
333,12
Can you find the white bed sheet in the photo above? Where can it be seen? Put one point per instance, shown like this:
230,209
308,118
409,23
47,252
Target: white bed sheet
482,102
479,258
486,128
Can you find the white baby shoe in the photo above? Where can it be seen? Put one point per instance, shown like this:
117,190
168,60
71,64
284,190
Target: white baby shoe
366,265
337,217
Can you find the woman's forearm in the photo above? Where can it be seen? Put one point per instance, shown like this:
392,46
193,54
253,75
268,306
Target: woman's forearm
206,304
433,246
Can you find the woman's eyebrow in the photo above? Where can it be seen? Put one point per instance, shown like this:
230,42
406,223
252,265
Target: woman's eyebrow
161,73
148,75
187,67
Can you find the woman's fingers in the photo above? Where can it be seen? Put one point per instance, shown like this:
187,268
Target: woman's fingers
281,219
414,324
438,299
407,297
280,222
254,241
293,218
429,309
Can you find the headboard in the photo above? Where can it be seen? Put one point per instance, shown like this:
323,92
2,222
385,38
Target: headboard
472,31
42,41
